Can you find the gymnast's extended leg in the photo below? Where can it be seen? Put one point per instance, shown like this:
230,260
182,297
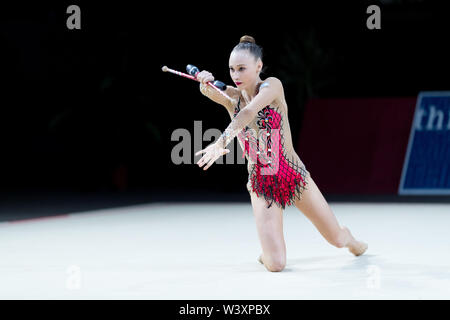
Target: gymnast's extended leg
314,206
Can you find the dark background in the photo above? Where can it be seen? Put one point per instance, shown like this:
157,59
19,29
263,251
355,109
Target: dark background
89,112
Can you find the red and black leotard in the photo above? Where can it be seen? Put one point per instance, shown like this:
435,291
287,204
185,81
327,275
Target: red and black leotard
275,170
287,180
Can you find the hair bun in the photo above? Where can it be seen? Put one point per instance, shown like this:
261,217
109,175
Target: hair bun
247,39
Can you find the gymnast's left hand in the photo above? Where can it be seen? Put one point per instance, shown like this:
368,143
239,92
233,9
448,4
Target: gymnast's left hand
211,154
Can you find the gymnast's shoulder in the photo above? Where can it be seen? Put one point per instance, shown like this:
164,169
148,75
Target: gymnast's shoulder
272,82
273,88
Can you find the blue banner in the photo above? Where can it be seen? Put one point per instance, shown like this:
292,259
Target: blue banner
426,169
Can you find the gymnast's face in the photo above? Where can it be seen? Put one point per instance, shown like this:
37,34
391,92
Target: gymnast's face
244,69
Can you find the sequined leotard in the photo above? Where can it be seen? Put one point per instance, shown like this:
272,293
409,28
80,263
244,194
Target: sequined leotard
275,170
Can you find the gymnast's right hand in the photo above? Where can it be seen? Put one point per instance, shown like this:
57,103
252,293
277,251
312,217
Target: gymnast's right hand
205,76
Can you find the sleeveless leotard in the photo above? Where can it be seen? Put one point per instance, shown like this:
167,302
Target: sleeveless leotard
275,171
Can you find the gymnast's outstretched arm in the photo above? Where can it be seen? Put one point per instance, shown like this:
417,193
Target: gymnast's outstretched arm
269,91
218,98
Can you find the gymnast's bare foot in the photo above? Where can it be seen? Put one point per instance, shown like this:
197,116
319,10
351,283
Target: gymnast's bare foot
359,248
354,246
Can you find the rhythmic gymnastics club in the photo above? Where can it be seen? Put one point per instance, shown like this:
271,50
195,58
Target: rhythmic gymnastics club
194,70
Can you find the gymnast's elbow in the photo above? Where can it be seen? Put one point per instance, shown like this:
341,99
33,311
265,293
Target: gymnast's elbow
248,113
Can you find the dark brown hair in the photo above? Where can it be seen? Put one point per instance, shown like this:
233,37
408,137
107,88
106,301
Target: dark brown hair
249,43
